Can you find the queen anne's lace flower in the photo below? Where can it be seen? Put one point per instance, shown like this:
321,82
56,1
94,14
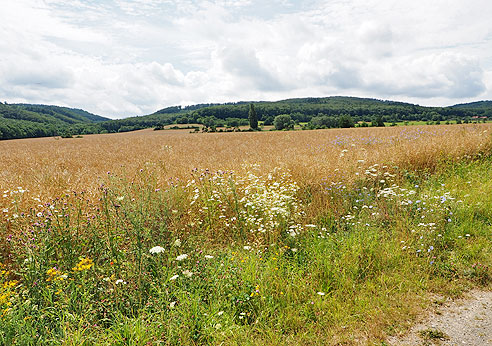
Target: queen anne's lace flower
156,249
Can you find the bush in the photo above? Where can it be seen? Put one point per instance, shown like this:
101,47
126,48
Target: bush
283,121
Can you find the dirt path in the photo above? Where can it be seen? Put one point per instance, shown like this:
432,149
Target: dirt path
466,321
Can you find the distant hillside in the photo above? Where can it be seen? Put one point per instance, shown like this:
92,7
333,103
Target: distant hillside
180,109
485,105
305,109
63,113
27,120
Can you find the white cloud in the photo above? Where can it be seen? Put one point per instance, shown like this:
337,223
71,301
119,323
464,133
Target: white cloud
435,75
120,57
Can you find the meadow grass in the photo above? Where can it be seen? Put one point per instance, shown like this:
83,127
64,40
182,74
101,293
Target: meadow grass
266,251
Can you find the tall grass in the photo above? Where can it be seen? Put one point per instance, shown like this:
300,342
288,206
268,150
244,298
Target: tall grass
259,254
48,167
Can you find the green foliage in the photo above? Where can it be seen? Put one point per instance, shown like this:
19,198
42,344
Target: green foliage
252,117
221,259
20,121
283,122
346,121
322,121
379,121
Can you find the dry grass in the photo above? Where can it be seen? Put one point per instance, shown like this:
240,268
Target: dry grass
345,277
49,166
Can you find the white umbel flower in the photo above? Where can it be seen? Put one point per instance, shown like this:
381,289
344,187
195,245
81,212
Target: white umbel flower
156,249
188,273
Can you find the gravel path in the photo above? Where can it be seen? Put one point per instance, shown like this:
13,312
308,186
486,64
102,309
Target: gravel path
466,321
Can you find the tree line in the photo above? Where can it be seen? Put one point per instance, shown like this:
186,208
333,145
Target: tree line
22,121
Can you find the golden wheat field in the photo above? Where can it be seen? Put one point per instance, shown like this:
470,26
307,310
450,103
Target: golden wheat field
47,167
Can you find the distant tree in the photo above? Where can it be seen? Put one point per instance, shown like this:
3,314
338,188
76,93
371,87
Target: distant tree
283,121
252,117
346,121
322,122
436,117
379,121
268,120
208,121
232,122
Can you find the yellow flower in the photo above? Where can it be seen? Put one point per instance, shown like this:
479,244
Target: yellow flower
55,275
84,264
4,298
10,284
4,312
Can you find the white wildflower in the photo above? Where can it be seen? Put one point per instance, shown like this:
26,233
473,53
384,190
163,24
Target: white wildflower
156,249
187,273
181,257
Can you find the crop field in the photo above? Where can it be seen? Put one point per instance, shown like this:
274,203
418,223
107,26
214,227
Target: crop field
319,237
48,167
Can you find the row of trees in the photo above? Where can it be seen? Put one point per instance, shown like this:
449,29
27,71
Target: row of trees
20,121
302,110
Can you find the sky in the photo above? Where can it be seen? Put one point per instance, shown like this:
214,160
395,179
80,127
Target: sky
120,58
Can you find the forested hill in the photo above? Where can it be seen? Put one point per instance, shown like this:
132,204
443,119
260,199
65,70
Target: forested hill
318,112
485,105
24,120
63,113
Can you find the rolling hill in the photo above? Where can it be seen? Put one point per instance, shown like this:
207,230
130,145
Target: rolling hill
30,120
27,120
487,105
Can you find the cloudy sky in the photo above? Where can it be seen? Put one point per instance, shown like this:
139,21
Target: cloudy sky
131,57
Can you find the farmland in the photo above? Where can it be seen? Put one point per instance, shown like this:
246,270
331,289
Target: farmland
302,237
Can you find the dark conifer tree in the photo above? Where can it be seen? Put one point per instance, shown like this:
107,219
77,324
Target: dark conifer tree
253,118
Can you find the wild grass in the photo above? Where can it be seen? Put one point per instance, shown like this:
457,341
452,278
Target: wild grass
287,238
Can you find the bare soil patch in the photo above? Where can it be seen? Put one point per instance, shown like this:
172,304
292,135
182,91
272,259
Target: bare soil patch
466,321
